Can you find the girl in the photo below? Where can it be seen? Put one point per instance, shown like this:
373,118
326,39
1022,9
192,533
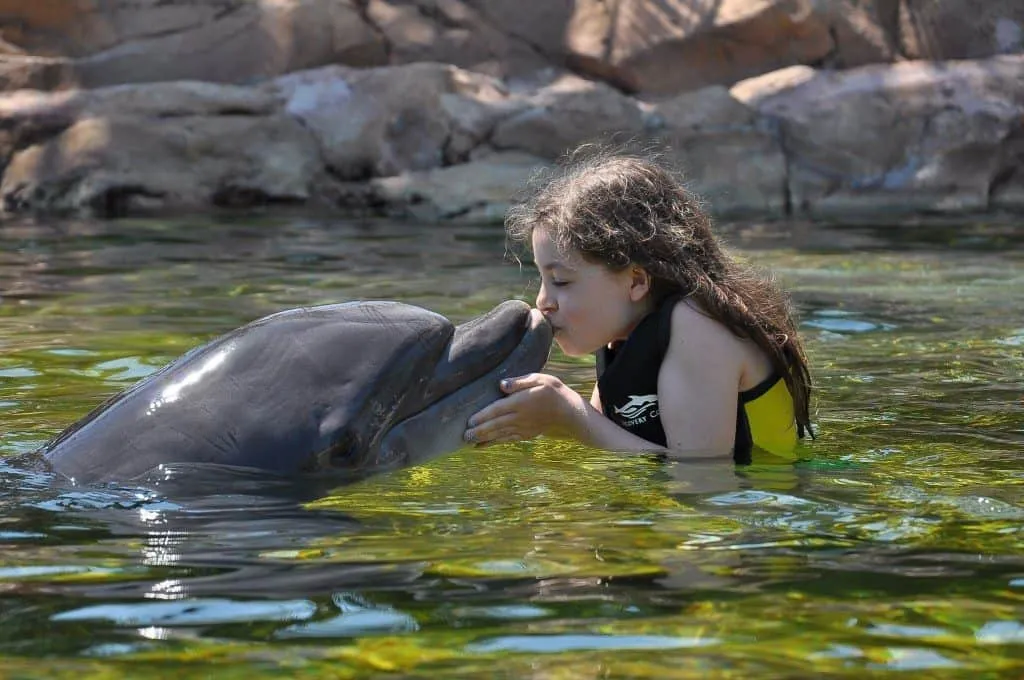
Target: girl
696,355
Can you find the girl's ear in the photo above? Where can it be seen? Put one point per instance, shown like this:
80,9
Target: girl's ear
639,283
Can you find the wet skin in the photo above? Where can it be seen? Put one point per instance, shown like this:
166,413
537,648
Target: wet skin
359,387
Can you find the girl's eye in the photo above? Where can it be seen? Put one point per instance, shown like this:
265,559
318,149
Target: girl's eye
559,284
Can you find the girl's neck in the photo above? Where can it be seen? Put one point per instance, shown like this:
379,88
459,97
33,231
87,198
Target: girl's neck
640,311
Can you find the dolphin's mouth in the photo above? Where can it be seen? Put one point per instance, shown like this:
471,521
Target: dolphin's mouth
510,340
477,347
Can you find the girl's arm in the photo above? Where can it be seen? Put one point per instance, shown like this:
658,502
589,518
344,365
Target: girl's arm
698,385
538,403
698,389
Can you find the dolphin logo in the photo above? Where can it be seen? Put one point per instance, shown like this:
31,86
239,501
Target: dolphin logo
638,405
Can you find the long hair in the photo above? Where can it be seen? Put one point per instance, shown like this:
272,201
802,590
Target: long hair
617,209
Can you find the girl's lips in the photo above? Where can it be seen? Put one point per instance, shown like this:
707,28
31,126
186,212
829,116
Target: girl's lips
554,328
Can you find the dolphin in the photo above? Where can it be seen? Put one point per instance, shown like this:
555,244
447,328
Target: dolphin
357,387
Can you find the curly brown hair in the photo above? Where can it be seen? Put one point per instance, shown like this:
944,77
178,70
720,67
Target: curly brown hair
616,209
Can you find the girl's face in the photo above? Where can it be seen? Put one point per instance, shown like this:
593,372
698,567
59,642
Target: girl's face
588,305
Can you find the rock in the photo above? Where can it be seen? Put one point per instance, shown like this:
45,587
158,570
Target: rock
177,98
69,28
913,136
863,31
542,25
386,121
740,172
755,90
566,113
654,48
708,108
814,137
29,117
235,41
478,191
1007,192
671,46
457,33
960,29
664,47
728,155
119,165
20,72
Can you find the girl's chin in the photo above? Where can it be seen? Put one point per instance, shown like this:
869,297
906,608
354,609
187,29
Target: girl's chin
569,350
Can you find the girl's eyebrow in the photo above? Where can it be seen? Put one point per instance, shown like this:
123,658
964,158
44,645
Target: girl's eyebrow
555,264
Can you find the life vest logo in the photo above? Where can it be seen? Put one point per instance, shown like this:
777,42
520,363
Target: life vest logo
638,409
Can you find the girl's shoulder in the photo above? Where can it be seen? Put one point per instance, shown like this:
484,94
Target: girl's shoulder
690,322
693,335
697,338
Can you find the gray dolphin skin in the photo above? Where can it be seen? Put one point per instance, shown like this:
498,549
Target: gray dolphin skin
359,386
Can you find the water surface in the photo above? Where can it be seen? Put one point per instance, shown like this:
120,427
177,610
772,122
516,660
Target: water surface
894,545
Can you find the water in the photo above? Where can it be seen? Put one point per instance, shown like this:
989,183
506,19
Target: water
894,545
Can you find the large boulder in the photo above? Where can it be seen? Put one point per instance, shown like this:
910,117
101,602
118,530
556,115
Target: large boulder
564,114
478,191
914,136
863,31
160,146
173,99
389,120
20,72
29,117
960,29
1007,192
659,48
469,35
670,46
71,28
727,153
235,41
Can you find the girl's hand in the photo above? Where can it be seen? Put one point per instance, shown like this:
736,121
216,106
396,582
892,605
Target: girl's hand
537,403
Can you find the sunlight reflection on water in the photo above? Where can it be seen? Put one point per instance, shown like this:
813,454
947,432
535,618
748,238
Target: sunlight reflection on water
892,545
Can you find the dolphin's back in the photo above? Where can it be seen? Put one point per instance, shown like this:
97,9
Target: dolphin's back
289,392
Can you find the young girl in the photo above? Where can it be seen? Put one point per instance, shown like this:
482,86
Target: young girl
697,356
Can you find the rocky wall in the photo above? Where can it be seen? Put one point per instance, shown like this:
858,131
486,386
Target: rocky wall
441,109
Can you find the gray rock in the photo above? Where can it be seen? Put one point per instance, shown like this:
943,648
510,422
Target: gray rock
914,136
113,166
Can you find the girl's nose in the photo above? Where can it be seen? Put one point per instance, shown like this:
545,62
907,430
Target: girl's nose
545,303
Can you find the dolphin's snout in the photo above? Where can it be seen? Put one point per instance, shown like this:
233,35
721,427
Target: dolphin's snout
512,339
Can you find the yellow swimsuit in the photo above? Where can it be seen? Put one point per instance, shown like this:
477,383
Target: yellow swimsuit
765,418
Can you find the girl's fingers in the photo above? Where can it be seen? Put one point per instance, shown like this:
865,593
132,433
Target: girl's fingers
502,407
504,419
496,410
492,430
500,439
518,383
